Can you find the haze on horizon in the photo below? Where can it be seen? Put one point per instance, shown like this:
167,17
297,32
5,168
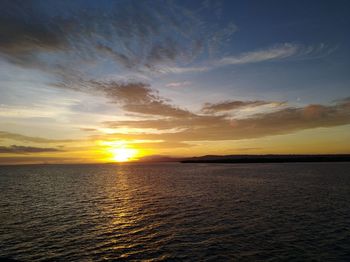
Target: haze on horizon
101,81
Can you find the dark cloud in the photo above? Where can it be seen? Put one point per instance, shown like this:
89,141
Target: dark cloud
133,97
37,159
138,98
233,105
134,34
13,149
87,129
25,31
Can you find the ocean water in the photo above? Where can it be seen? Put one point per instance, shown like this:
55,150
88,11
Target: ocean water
182,212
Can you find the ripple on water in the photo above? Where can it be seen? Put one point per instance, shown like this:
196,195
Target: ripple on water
175,211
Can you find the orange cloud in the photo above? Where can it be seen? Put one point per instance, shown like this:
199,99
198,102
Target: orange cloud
213,128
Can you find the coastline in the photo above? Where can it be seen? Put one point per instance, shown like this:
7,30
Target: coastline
268,159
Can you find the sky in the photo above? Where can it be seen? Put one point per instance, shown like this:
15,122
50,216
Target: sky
105,81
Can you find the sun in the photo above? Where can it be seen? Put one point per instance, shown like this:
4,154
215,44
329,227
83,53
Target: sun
123,154
119,151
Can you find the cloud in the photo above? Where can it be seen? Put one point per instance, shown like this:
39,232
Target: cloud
220,127
14,149
273,53
120,58
39,159
178,84
19,137
24,30
195,121
136,97
88,129
161,145
218,37
133,97
135,34
276,52
182,70
234,105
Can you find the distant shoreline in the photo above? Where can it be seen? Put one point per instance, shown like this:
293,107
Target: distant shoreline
268,159
225,159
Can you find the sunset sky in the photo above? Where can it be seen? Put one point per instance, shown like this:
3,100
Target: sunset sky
103,81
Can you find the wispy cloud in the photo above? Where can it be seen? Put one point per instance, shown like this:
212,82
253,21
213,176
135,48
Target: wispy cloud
234,105
181,70
274,53
132,37
178,84
279,52
133,34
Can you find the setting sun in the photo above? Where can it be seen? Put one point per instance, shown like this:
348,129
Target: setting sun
123,154
119,151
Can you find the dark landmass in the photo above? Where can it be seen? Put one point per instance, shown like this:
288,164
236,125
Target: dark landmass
268,158
159,158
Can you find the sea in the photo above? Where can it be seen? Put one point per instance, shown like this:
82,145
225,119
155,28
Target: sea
175,212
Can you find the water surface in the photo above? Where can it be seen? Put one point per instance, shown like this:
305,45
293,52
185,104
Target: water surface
198,212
